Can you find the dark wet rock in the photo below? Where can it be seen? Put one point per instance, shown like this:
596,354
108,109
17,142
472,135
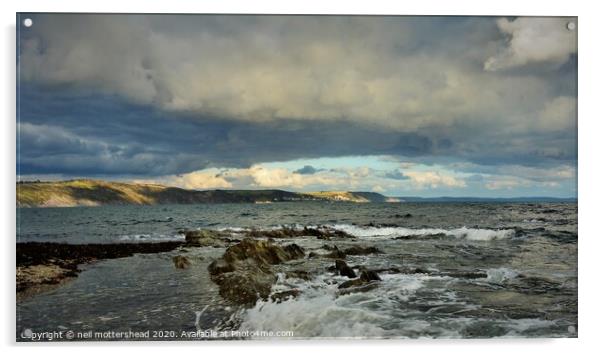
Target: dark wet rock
336,254
369,275
466,274
343,269
294,251
357,250
403,270
319,233
298,274
263,252
244,273
422,236
206,238
246,284
407,215
312,255
181,262
51,263
366,277
279,297
220,266
364,287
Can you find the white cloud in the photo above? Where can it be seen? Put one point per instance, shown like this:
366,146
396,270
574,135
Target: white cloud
307,68
505,182
534,40
197,180
433,179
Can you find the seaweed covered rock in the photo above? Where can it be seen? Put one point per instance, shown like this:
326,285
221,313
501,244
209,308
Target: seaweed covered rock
181,262
244,273
246,284
262,252
205,238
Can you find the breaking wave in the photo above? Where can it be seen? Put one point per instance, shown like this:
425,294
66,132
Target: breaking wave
151,237
475,234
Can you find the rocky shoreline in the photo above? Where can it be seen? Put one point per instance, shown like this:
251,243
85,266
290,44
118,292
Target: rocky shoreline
41,266
243,274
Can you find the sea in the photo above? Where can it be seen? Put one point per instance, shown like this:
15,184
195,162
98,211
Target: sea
468,270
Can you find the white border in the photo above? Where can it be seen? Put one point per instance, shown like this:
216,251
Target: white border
589,166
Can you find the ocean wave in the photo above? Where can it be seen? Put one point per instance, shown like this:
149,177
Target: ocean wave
151,237
321,311
475,234
500,275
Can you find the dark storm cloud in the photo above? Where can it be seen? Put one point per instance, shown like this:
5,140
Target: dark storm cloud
307,170
156,95
396,175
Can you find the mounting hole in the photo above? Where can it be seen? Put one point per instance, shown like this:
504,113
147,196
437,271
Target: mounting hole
571,26
27,22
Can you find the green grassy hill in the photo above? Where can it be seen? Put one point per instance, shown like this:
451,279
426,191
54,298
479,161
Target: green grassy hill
98,192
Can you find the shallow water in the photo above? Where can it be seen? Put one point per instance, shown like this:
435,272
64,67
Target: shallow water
487,270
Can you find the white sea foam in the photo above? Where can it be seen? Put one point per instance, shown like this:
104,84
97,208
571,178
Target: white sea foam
319,311
151,237
500,275
475,234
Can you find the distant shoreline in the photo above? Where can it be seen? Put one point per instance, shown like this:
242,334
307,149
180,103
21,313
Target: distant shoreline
88,193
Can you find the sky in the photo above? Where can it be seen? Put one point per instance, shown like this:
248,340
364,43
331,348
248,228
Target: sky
403,106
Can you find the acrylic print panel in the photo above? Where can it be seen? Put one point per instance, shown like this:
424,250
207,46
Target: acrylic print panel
194,177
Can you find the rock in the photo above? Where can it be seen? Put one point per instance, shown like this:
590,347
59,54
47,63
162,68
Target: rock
243,273
298,274
467,274
50,263
369,275
263,252
359,288
206,238
312,255
320,233
181,262
357,250
344,269
336,254
278,297
246,284
219,266
422,236
34,275
366,277
294,251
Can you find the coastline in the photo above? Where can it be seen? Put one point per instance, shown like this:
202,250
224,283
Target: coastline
42,266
